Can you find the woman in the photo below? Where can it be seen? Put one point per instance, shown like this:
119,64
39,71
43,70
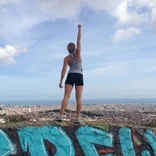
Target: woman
75,76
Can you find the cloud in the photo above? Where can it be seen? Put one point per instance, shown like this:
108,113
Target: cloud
125,34
8,54
19,18
111,71
60,9
119,78
144,3
125,69
153,16
4,2
125,12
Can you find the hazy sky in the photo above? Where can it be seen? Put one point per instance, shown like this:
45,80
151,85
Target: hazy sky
118,47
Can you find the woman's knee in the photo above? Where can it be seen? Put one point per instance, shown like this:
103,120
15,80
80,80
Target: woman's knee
66,96
78,99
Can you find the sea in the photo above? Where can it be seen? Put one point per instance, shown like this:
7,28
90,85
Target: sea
85,101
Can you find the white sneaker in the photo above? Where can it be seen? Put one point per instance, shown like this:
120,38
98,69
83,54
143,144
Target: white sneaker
59,118
78,120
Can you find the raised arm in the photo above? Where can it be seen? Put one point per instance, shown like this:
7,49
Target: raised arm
63,72
78,49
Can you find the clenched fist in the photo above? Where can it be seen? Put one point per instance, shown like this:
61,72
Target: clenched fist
79,26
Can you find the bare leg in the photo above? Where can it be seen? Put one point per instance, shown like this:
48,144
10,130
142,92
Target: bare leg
78,99
68,89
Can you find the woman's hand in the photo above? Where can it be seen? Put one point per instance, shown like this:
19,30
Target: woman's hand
60,85
79,26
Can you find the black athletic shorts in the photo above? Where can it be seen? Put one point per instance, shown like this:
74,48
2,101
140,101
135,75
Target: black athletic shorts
74,78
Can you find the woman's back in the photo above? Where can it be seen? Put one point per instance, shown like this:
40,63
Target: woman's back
74,64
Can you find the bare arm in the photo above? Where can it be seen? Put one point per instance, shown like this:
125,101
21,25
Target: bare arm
78,49
63,72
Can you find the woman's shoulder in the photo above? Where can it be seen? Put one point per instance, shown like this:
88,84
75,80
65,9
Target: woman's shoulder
68,57
77,57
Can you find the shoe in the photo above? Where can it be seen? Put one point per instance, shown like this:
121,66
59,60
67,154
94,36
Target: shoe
59,118
78,120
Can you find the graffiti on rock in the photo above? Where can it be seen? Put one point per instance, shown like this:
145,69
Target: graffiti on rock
6,145
88,136
151,137
33,139
84,140
146,153
126,142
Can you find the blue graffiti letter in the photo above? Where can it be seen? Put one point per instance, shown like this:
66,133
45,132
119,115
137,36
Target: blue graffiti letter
6,145
33,138
151,139
146,153
126,142
88,136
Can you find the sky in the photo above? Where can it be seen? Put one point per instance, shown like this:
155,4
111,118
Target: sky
118,47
